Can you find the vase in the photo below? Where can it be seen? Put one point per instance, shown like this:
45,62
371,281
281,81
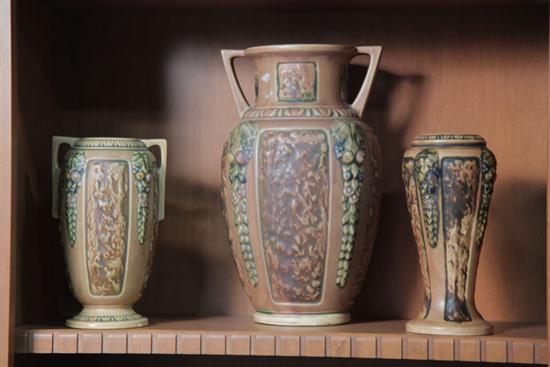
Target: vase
449,181
109,198
300,183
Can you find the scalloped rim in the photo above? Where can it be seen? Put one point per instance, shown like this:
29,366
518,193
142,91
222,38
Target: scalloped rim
448,139
109,142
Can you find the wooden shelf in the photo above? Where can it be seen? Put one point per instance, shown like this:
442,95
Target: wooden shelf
511,343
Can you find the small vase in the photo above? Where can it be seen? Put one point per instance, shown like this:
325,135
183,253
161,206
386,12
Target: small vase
449,180
300,177
111,197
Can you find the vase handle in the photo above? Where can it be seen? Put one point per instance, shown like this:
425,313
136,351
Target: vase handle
361,100
240,101
57,141
161,143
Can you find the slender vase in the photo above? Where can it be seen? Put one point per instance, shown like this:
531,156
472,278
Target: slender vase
109,197
449,180
300,183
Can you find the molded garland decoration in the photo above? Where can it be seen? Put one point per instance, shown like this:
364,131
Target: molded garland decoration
488,177
239,153
349,149
416,224
427,172
75,166
142,167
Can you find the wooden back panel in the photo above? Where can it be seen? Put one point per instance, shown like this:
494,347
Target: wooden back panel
148,74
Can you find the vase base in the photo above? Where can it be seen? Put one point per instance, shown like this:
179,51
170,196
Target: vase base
290,319
107,318
475,327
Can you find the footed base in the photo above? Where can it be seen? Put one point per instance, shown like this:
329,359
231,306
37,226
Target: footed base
290,319
107,318
475,327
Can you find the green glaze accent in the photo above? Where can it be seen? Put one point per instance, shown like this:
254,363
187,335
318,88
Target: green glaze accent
349,149
427,174
239,153
75,167
143,166
122,143
488,178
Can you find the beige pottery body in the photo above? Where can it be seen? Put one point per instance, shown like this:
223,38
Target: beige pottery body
449,182
109,208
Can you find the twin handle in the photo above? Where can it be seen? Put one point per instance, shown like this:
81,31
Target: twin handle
358,105
57,141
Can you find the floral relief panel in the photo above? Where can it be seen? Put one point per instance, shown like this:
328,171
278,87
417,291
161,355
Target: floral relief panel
460,182
297,82
293,183
107,204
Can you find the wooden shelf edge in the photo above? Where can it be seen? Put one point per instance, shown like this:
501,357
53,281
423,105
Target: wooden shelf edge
511,343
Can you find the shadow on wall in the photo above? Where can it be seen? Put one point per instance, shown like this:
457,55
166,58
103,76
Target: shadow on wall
392,287
193,271
514,251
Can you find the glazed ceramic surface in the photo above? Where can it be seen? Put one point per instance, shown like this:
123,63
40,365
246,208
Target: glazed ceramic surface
300,183
448,182
109,197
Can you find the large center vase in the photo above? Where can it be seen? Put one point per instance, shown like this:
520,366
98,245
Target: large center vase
300,183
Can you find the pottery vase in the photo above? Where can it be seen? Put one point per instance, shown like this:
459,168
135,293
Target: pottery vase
109,198
449,181
300,183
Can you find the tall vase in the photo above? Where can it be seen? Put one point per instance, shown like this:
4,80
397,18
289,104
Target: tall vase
448,182
109,197
300,183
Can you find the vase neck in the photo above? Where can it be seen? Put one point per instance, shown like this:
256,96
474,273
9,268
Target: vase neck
306,79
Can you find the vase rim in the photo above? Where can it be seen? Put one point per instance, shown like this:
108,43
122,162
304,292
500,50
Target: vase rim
448,139
301,47
107,141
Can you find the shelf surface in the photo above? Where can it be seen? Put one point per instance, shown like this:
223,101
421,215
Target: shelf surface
239,335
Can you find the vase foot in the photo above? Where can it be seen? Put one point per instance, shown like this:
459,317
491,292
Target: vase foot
290,319
475,327
107,318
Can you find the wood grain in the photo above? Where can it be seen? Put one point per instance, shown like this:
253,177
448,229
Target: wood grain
90,343
238,336
140,343
189,344
264,345
417,347
339,346
164,343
